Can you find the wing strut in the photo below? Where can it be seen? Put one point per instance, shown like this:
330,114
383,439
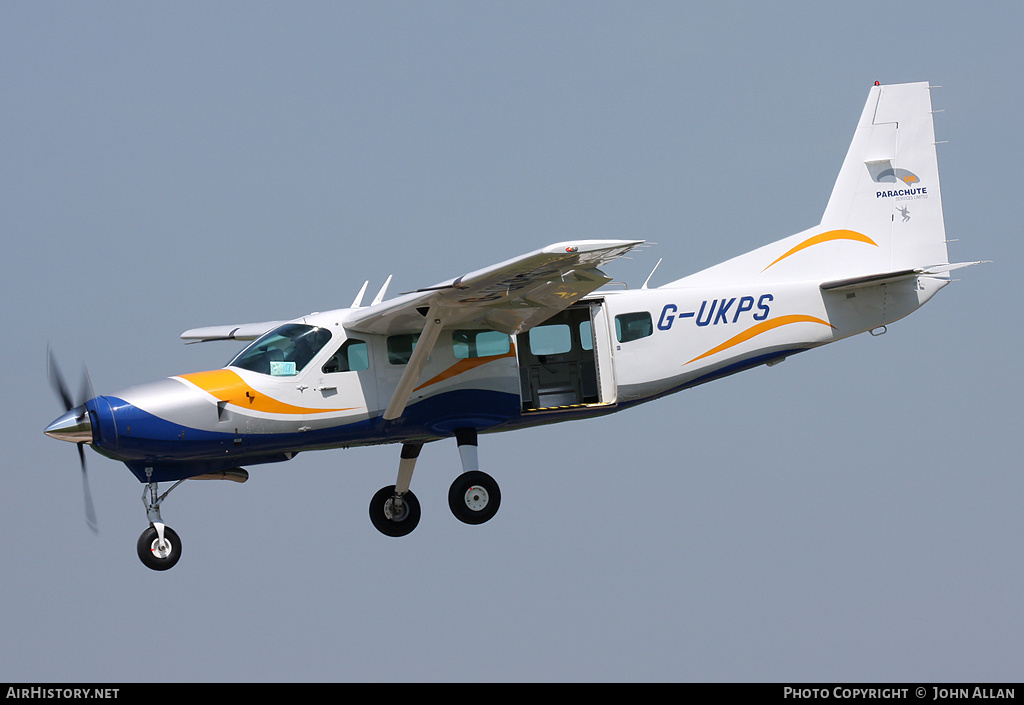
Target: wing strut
418,360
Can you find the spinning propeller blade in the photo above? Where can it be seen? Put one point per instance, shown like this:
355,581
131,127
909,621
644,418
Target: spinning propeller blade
57,381
71,423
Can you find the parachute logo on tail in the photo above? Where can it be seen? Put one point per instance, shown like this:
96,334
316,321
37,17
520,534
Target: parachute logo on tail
892,175
910,184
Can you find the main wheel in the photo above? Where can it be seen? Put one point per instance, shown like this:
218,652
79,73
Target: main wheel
474,497
159,556
393,518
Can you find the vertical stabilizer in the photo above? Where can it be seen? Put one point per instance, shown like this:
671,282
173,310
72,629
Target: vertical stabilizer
888,188
885,211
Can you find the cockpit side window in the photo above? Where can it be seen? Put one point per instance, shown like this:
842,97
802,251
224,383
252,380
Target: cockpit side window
351,357
284,351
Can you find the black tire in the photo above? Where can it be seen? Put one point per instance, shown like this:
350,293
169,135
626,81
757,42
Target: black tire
386,521
147,548
474,497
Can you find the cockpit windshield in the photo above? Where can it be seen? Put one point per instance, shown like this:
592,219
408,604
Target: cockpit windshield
284,351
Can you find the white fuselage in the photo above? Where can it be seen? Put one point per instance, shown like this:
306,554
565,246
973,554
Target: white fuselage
607,352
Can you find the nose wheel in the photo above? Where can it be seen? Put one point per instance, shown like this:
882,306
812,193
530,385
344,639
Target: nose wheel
159,552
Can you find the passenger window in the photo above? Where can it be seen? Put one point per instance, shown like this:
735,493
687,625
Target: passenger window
351,357
400,348
554,339
479,343
633,326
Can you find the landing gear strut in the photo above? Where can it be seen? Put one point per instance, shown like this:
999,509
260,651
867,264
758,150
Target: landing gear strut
159,547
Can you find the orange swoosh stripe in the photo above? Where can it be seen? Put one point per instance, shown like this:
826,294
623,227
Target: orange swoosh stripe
464,366
762,328
227,386
829,236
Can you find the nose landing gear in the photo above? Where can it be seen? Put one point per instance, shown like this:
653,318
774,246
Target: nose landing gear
159,547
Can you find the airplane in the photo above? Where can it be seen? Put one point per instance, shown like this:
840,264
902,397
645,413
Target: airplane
536,339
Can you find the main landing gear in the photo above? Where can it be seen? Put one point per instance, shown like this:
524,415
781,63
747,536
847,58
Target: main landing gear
474,497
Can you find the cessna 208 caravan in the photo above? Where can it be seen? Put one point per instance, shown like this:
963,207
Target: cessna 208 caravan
533,340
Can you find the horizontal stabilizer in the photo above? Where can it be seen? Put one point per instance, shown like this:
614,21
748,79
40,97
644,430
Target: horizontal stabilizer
890,277
869,280
940,268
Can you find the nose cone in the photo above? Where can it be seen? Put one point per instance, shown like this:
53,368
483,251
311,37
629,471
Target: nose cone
73,426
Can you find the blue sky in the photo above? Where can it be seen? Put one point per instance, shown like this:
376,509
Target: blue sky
850,515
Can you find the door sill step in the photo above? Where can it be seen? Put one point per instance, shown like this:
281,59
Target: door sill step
568,407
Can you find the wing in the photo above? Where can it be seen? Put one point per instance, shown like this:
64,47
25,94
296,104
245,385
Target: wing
244,331
510,297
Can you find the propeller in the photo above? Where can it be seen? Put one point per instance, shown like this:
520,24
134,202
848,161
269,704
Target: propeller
85,394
